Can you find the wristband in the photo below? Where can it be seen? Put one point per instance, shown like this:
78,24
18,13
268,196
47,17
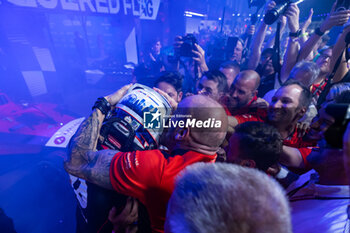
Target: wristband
304,34
295,34
103,105
318,32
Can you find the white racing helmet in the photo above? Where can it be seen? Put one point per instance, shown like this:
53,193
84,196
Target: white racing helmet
136,123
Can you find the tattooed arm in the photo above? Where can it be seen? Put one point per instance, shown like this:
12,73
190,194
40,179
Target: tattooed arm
83,160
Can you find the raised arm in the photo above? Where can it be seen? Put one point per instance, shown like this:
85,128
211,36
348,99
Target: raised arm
337,51
290,57
291,157
333,19
257,41
83,161
304,27
199,57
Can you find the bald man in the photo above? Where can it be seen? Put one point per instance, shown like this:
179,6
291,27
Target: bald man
243,100
197,129
243,90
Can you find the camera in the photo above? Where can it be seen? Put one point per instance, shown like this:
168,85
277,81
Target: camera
188,45
281,6
334,134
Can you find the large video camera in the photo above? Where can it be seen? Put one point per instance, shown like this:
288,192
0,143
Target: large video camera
281,6
334,134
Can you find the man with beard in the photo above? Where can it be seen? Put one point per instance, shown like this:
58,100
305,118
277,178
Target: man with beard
242,102
288,105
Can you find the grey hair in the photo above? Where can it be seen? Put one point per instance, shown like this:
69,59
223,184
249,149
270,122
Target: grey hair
306,66
337,89
224,198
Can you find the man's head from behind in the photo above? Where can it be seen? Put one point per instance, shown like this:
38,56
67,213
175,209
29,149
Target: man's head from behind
305,72
170,83
289,104
199,124
213,84
244,89
256,145
227,198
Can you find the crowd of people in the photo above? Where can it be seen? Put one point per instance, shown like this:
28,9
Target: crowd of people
280,159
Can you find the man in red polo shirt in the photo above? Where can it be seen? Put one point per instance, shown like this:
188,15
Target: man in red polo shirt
243,103
288,105
149,175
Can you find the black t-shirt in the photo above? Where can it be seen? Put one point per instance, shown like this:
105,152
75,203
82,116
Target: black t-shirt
267,83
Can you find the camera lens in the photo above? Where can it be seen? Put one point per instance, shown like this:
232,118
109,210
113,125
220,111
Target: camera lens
271,17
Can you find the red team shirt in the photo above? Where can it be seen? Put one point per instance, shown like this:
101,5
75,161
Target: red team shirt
149,176
248,114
